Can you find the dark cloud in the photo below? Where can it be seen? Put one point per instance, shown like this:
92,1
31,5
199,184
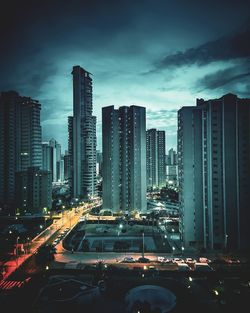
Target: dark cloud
225,48
225,77
29,76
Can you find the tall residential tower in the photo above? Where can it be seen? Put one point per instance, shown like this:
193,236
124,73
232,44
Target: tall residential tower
20,142
156,168
124,158
214,171
82,137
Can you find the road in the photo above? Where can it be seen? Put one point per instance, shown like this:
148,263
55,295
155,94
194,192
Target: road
25,262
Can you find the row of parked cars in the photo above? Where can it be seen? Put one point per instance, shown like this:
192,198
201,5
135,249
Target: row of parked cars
202,264
60,237
189,261
130,259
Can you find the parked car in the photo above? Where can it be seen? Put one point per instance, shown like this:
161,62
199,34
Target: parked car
178,260
167,260
190,261
143,260
204,260
128,259
160,259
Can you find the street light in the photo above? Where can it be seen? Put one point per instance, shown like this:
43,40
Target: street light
17,251
143,244
226,238
182,249
28,248
120,228
173,248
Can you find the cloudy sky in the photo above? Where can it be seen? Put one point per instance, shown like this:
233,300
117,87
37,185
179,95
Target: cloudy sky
160,54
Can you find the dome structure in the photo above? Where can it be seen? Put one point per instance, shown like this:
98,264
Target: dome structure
150,298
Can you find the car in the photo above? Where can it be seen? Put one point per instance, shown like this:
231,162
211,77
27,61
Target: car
178,260
128,259
190,261
204,260
160,259
233,261
167,260
143,260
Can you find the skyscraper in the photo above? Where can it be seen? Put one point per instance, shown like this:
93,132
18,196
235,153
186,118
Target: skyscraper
214,171
46,157
53,160
156,168
124,158
20,142
99,163
82,137
172,166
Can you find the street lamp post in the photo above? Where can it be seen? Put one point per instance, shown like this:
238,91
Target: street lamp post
182,250
143,244
120,228
17,251
173,248
28,246
226,238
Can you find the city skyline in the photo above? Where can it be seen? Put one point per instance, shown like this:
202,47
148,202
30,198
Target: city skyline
155,54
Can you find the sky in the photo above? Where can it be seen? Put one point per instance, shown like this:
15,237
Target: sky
160,54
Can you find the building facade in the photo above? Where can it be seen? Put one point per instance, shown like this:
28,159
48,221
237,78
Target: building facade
172,167
33,191
82,137
124,158
156,168
214,169
20,142
52,160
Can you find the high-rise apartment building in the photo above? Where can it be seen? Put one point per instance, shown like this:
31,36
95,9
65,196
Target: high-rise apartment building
99,163
124,158
214,171
156,168
33,191
52,160
47,163
66,165
20,142
82,137
172,167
